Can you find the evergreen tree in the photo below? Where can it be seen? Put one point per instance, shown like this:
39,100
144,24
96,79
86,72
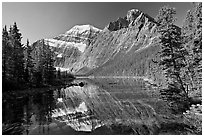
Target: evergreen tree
50,63
31,64
172,56
187,36
28,76
197,45
5,50
39,58
192,39
44,63
18,56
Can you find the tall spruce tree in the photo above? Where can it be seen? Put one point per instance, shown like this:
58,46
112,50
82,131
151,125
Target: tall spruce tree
39,61
50,63
172,58
18,56
44,62
28,76
197,46
5,51
192,39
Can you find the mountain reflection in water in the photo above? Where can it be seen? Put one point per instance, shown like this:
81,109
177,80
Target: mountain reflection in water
98,107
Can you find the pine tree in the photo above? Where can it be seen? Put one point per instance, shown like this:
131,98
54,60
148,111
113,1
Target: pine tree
187,36
51,69
197,45
40,63
5,54
18,56
28,76
192,39
172,56
7,60
44,63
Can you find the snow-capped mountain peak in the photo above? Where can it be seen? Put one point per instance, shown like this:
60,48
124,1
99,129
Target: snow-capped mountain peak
83,28
68,47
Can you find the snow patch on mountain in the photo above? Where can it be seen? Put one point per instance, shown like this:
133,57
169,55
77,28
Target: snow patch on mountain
59,43
83,28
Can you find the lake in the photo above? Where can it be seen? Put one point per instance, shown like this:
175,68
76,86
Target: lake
86,106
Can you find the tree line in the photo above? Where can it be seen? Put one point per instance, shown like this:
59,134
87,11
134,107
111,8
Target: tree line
26,65
181,55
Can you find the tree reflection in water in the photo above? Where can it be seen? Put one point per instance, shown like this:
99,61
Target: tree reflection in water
94,107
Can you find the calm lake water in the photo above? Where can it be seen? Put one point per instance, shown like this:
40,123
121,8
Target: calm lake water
99,106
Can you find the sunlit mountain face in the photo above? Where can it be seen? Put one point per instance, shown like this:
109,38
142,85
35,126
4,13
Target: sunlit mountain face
68,47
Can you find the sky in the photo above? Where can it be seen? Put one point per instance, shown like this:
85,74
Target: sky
37,20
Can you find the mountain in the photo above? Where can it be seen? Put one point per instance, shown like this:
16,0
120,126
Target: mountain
69,46
125,47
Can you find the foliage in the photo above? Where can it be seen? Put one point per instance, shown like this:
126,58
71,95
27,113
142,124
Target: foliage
194,117
12,57
28,66
24,66
176,99
44,70
15,41
192,40
172,59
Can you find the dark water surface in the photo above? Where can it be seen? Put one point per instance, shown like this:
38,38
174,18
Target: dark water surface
100,106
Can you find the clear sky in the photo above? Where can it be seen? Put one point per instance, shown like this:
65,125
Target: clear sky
38,20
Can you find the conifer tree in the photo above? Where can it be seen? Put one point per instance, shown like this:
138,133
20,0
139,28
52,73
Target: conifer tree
44,63
50,64
172,55
18,56
28,76
5,54
192,40
40,63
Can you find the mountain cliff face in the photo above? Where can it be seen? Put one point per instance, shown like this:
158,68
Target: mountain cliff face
69,46
126,47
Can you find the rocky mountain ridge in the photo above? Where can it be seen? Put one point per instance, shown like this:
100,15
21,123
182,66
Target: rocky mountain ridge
125,47
132,18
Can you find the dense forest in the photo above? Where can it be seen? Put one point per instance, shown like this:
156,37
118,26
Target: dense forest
27,65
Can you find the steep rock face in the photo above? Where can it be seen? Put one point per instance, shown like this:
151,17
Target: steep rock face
133,17
69,46
127,50
118,24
